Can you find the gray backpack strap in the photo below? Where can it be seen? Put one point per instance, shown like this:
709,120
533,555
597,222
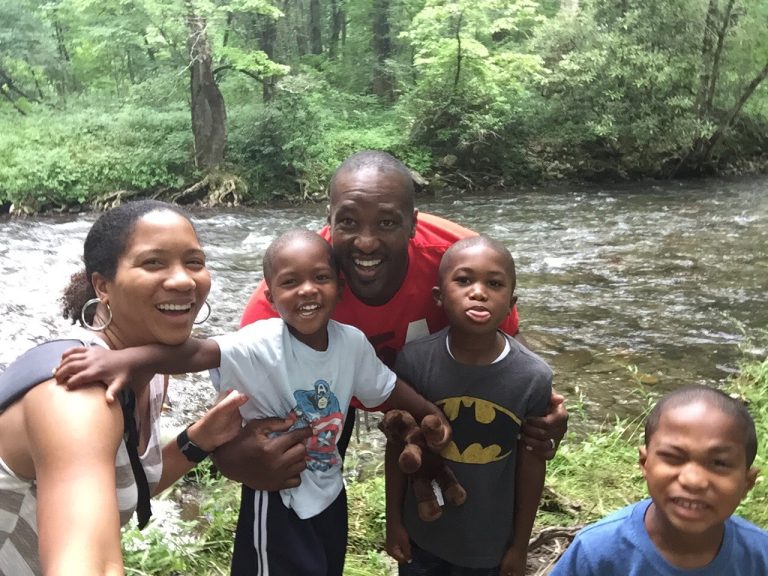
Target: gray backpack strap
34,366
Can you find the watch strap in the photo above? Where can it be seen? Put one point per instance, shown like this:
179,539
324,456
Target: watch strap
191,451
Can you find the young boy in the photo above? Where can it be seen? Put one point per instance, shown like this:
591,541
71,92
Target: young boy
487,384
301,365
697,461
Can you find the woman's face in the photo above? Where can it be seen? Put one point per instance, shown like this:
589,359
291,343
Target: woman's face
160,284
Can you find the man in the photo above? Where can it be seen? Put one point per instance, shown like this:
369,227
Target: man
389,256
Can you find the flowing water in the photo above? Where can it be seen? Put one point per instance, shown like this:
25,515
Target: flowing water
622,289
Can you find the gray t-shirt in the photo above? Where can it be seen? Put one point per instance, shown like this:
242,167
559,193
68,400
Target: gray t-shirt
486,406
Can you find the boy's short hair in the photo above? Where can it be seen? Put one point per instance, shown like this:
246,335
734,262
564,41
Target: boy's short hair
478,240
732,407
286,238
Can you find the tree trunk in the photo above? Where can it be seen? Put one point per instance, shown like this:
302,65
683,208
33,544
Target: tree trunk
315,25
733,114
337,22
706,59
722,32
459,54
382,50
208,111
267,39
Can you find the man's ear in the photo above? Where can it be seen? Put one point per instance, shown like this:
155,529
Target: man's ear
268,296
328,214
413,222
642,458
752,475
512,301
437,295
340,289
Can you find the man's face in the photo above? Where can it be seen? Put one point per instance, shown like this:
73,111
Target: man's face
371,221
695,467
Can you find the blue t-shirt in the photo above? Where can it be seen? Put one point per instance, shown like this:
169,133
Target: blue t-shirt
619,545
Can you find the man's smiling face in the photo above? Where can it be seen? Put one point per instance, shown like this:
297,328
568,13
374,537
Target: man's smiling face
371,221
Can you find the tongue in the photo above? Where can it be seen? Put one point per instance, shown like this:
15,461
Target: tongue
478,315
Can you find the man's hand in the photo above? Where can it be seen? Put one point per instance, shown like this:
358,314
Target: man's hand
261,461
543,434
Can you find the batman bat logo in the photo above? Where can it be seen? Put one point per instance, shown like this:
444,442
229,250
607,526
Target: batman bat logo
483,431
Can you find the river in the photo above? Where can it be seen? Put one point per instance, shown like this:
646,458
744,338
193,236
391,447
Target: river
622,289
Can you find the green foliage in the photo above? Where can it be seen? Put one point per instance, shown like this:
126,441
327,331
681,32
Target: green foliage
500,91
291,147
472,94
62,159
200,544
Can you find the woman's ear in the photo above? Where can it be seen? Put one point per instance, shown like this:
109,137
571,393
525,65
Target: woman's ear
100,286
437,295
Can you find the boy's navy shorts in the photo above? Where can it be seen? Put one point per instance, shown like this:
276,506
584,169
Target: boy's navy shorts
271,540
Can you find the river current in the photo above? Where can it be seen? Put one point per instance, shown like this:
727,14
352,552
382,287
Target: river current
624,290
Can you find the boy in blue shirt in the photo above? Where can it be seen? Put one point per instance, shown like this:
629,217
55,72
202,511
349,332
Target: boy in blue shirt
697,461
487,384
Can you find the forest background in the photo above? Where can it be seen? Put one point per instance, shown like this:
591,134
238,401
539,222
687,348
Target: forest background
242,101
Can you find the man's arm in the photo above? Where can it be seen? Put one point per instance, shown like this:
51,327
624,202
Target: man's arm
543,434
529,483
261,461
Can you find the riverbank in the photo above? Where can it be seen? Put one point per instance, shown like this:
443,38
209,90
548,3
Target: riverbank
94,156
590,477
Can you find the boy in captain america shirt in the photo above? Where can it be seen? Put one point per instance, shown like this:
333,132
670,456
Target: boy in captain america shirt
301,365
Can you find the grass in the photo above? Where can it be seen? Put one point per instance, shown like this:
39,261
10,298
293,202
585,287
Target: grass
588,479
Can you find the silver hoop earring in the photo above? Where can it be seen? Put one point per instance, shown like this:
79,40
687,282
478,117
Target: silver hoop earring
90,326
208,314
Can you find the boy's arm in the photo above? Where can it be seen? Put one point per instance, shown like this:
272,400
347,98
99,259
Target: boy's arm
403,397
529,484
398,545
118,368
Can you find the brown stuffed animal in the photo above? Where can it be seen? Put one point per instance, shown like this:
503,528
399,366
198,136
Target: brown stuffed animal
420,462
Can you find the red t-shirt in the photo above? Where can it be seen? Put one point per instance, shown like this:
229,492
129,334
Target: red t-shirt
412,311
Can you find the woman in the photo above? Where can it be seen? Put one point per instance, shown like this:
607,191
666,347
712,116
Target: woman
66,481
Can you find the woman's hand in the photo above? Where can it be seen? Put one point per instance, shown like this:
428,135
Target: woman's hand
221,423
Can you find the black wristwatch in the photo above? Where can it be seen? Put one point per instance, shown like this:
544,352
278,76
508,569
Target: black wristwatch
191,451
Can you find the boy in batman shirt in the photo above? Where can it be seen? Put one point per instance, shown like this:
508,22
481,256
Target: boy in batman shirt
487,384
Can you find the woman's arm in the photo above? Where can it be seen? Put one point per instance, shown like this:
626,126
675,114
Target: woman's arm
220,424
73,438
